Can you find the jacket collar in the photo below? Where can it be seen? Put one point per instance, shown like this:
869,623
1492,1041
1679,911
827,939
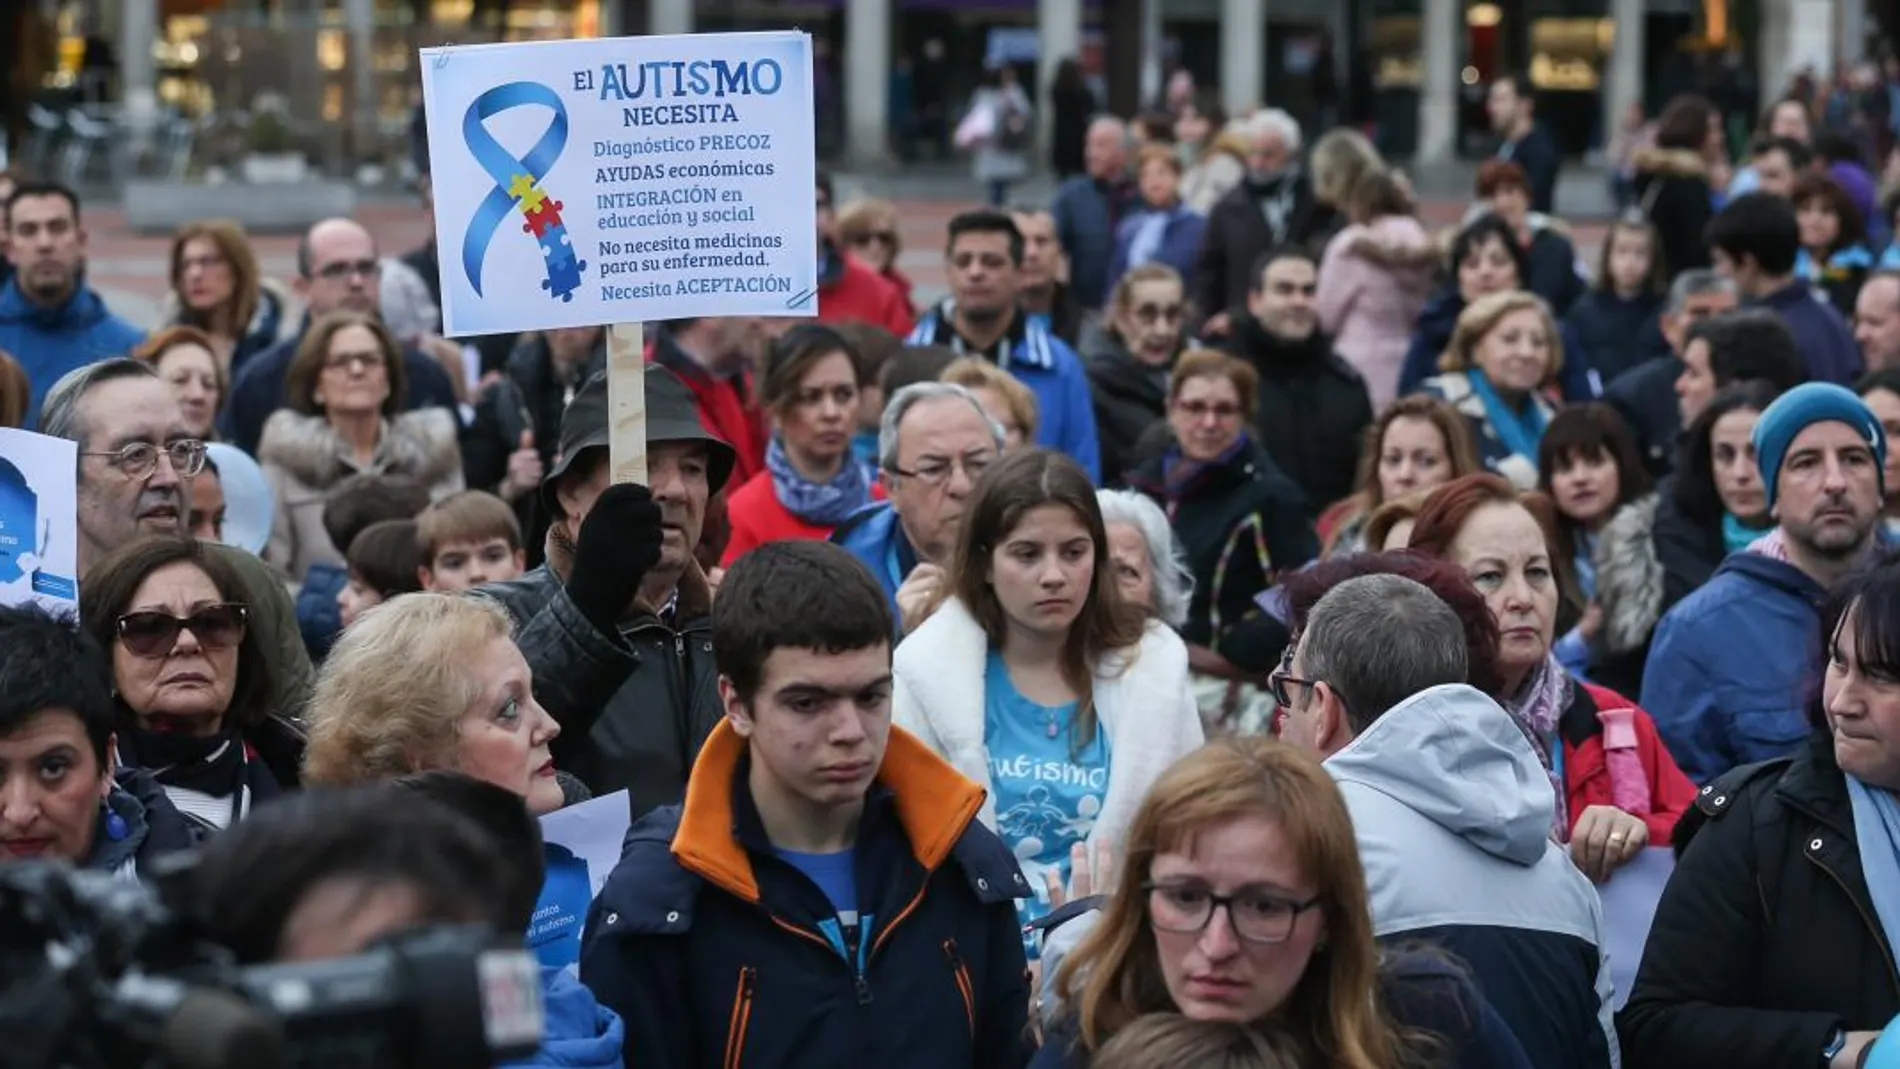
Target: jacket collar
934,805
1025,343
1815,785
1578,723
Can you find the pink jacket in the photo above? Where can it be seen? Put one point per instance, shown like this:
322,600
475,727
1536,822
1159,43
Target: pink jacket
1373,280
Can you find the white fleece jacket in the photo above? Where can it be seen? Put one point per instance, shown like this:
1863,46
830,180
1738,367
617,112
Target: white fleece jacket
1143,704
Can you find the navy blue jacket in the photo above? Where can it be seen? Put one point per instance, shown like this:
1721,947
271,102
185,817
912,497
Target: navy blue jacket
259,390
1819,333
718,955
1087,214
1613,334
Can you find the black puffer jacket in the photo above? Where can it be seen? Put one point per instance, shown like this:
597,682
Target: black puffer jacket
633,707
1765,940
1313,410
1130,397
1689,549
1672,189
1243,522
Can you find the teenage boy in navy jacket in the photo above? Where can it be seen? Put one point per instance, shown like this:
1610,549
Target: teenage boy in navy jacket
825,897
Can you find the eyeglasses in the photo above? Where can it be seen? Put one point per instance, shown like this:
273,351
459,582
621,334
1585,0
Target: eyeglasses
207,263
154,634
1257,917
1198,410
340,269
1148,314
1282,677
938,472
339,361
140,459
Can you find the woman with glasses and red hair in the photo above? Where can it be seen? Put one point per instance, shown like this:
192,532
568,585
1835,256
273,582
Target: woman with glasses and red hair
191,681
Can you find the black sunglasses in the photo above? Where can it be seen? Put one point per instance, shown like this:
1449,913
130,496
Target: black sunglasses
153,634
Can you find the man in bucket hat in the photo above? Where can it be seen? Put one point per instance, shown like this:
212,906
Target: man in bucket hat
617,625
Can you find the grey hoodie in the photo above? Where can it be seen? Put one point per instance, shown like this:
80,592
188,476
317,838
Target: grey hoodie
1452,810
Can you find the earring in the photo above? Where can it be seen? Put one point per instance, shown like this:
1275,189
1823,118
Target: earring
116,828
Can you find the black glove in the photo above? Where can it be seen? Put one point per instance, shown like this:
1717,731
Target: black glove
619,544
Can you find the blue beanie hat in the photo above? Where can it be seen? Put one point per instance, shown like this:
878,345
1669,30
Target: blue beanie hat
1806,404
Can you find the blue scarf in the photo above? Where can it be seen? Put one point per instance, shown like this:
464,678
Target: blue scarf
1877,828
821,504
1519,431
1736,534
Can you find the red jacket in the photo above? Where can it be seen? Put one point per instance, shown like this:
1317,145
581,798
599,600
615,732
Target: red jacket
1587,771
757,517
851,292
727,406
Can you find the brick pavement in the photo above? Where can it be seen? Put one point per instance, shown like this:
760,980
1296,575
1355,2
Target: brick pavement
130,269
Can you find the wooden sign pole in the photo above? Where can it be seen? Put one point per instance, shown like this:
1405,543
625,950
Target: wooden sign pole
627,402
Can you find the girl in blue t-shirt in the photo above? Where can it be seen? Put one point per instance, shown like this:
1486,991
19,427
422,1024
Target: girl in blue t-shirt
1037,680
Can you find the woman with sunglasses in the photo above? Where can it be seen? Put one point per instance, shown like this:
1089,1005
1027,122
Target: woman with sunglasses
867,228
1241,899
1128,362
191,681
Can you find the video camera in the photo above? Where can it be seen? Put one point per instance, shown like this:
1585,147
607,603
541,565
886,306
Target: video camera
96,972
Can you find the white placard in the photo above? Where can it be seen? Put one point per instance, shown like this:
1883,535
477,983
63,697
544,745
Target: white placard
626,179
1629,907
582,846
39,528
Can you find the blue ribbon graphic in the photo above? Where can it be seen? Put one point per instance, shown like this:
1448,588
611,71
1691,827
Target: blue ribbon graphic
502,165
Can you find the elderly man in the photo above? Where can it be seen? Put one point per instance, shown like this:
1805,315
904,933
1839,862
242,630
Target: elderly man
933,444
1645,394
50,321
1274,206
1877,320
617,625
136,461
337,270
1090,206
1452,809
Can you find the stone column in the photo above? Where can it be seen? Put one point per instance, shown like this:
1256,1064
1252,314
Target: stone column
1438,96
1151,34
1853,30
1626,62
1242,55
669,16
359,17
867,73
1058,37
138,77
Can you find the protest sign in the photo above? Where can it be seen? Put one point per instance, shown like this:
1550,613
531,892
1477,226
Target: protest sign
584,183
582,846
1629,907
653,178
39,527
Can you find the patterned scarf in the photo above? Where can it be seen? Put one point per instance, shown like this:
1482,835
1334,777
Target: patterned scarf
1181,476
825,504
1535,709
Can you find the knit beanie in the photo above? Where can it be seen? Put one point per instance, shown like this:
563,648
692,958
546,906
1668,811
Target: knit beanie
1806,404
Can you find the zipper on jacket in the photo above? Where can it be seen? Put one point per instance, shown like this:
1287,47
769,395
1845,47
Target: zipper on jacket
860,985
1873,927
961,974
741,1018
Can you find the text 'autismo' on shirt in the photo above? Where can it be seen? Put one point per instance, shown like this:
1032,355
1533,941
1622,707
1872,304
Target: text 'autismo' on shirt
1048,790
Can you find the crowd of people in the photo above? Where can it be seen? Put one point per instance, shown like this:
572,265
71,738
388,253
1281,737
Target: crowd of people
1238,625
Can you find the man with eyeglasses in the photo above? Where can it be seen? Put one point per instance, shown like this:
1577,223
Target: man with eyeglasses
50,320
1452,810
849,291
982,318
1314,407
933,444
337,270
136,461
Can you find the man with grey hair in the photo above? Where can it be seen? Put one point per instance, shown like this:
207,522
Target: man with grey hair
1273,206
1452,810
1090,206
1645,395
136,460
933,444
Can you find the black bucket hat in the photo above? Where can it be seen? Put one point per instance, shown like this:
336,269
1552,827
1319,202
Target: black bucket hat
672,416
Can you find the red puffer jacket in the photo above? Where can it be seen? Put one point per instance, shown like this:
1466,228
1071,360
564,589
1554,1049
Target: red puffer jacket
1599,721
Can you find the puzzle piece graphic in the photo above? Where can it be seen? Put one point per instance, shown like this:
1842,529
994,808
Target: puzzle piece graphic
555,243
543,218
564,277
524,190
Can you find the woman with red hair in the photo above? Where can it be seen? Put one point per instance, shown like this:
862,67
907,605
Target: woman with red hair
1618,790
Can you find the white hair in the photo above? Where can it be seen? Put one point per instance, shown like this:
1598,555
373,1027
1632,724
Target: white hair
1276,121
908,398
1174,582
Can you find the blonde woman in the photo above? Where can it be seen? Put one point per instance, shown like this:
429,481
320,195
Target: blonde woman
867,228
1504,356
1003,396
1241,900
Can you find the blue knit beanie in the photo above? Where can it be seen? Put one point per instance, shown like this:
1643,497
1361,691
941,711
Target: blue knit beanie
1806,404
